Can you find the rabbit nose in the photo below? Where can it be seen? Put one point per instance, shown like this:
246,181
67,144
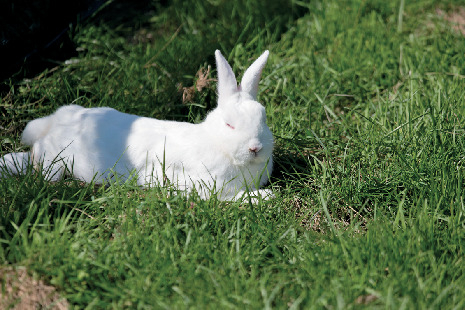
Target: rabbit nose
255,149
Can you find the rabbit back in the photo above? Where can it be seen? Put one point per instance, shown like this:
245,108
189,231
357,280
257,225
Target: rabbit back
98,143
94,142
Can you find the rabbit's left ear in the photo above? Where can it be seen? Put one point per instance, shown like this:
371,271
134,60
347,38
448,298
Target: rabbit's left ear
227,84
252,75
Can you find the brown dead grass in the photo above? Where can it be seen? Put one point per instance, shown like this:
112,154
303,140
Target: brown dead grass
366,299
202,81
20,291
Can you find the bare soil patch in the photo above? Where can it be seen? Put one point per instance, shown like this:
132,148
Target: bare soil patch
455,18
20,291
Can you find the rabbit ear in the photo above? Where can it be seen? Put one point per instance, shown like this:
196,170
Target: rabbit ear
252,75
227,84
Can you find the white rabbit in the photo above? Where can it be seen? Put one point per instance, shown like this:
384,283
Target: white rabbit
230,152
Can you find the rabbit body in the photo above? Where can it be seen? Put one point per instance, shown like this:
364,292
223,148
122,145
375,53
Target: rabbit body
229,152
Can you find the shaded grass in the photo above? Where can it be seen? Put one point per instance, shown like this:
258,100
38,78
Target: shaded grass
365,99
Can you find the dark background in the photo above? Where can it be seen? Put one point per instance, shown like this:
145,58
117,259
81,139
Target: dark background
36,34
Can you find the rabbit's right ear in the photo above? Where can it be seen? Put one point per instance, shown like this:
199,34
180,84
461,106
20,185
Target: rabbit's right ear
227,83
252,75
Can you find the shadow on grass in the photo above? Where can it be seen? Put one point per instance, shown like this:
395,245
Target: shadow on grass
38,35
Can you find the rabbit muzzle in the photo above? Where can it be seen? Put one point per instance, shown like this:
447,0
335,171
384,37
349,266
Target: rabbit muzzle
254,150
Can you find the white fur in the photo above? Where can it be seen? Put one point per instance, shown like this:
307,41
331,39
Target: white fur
217,154
14,163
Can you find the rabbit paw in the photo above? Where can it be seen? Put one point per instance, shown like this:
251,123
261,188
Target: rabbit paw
255,196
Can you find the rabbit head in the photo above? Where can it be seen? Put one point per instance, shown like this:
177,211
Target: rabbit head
238,124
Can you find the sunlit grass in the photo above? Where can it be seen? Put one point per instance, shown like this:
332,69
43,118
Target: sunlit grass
365,100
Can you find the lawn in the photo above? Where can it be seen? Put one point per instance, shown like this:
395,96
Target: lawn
366,102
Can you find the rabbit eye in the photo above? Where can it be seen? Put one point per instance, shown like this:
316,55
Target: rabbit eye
230,126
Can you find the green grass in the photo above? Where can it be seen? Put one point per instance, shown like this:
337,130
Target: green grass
366,100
